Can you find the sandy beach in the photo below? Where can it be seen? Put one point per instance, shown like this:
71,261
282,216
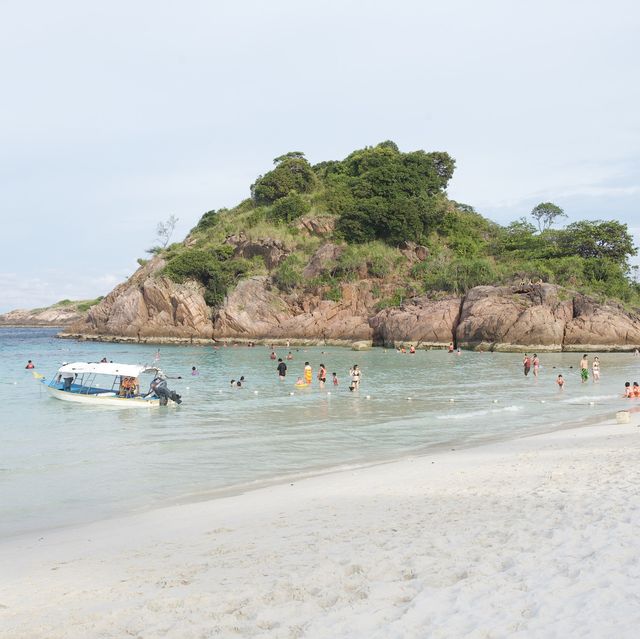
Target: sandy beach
533,537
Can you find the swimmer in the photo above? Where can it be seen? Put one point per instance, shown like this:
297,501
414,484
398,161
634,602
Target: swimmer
458,351
238,384
335,379
30,365
412,350
308,373
560,382
635,390
233,382
273,355
526,364
355,375
627,390
595,369
289,356
536,364
451,347
322,375
282,369
194,371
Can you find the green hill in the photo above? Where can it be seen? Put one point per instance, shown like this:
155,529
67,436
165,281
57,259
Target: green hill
375,204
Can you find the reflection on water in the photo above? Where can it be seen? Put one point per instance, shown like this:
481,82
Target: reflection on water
63,463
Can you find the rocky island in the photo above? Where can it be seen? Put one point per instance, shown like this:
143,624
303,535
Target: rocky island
370,249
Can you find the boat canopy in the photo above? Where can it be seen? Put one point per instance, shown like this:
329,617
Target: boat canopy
107,368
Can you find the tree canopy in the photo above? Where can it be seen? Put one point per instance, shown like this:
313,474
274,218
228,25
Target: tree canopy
292,173
546,213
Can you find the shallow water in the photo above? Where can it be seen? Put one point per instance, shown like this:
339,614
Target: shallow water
63,463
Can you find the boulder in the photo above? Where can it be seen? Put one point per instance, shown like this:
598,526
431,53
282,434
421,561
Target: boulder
149,306
317,225
323,259
420,321
595,327
513,318
272,251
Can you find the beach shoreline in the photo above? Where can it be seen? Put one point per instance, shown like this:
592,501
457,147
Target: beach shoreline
524,537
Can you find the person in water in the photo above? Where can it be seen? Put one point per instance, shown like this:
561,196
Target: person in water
595,369
282,369
308,373
160,388
560,382
526,364
635,391
536,364
584,368
30,365
289,355
412,350
194,371
451,347
322,375
355,375
273,355
627,390
335,379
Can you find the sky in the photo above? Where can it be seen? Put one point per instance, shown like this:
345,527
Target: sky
116,115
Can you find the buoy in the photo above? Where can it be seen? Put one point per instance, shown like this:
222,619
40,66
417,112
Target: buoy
368,397
291,393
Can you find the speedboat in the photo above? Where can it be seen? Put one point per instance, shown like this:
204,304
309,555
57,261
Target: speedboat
104,384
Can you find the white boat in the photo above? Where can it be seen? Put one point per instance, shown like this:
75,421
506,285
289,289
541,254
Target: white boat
104,384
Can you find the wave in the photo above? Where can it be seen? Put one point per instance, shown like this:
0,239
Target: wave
481,413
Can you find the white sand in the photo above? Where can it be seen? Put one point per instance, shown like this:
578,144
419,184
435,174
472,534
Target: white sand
538,537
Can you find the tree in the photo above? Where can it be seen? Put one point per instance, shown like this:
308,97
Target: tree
164,231
597,239
546,214
292,173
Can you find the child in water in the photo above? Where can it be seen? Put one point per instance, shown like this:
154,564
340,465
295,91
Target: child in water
335,379
560,382
627,390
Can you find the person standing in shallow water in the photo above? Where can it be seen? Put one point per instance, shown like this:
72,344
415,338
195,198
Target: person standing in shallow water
282,369
584,368
595,369
536,364
322,375
526,364
308,373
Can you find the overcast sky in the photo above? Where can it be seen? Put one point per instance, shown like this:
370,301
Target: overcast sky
115,115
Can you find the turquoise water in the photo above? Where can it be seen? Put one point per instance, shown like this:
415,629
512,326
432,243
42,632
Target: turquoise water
63,463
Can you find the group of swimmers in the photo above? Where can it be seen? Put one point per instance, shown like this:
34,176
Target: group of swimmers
306,378
631,391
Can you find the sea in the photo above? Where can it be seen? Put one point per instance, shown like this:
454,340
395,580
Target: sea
65,464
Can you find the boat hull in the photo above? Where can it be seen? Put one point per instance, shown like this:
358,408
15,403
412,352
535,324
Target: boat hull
109,400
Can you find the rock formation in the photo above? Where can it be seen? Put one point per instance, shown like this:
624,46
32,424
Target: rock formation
148,306
534,317
52,316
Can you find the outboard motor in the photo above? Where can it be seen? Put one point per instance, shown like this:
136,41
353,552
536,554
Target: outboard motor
160,388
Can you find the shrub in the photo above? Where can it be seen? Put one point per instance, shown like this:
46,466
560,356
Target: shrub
289,274
289,207
458,275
